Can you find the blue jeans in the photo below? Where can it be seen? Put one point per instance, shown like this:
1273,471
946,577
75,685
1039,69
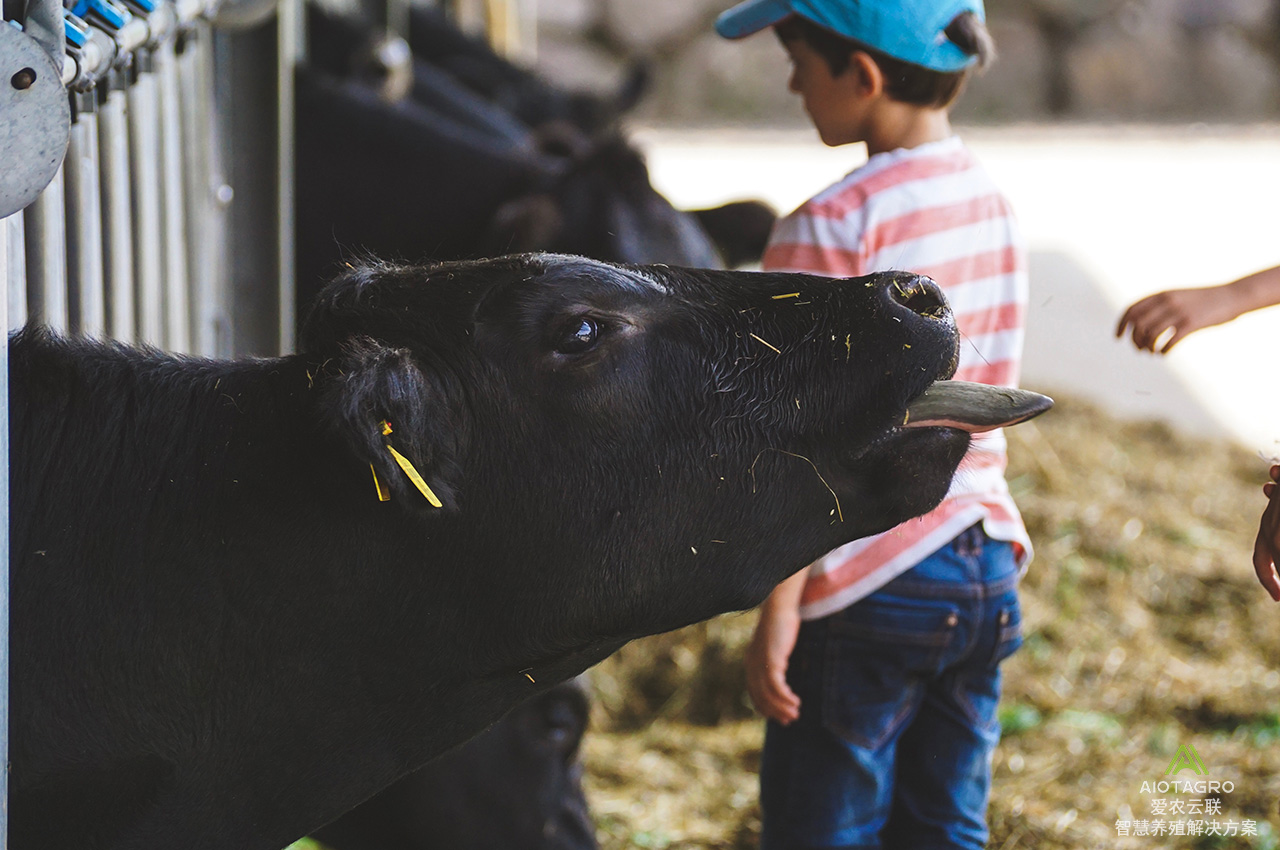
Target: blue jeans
898,710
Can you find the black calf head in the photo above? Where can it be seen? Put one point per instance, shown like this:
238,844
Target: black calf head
739,229
603,431
516,786
600,205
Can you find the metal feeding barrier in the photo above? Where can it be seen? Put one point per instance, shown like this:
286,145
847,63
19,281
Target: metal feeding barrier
120,237
121,132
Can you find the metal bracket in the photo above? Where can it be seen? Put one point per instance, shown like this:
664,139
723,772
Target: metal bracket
37,118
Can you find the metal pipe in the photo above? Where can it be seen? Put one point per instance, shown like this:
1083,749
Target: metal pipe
46,255
469,15
207,195
97,53
85,274
117,204
396,18
148,231
172,152
16,275
290,46
196,188
6,275
44,24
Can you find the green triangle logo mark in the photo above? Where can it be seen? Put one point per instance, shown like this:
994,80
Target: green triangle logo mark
1187,757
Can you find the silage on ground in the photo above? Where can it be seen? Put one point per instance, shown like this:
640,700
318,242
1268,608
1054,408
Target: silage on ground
1145,627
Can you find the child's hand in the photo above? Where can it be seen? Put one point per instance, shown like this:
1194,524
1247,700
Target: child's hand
766,663
1177,312
1266,550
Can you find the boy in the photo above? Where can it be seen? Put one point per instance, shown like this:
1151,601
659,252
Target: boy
877,666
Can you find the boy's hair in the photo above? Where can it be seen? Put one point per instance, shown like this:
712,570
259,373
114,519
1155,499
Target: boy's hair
904,81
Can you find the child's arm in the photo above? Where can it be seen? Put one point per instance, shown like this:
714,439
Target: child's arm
1266,550
1183,311
770,649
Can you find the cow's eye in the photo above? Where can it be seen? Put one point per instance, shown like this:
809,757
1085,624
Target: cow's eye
581,336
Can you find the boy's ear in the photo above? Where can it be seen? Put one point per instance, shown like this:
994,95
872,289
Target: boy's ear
379,398
868,75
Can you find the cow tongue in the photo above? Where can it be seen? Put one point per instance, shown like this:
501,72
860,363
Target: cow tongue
973,407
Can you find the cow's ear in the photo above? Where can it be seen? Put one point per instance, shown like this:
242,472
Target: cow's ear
348,306
528,223
398,417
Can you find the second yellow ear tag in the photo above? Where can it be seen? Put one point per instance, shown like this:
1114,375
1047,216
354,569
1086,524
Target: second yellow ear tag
384,495
415,478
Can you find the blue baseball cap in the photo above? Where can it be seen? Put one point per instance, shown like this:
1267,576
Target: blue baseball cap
910,30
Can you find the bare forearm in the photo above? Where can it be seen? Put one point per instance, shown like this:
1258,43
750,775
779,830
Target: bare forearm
1158,322
785,598
1255,291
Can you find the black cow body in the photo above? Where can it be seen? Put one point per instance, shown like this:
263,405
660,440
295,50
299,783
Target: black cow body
516,787
350,46
415,181
222,639
522,93
482,158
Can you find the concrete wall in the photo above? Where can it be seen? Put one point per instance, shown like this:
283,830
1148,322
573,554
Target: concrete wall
1096,60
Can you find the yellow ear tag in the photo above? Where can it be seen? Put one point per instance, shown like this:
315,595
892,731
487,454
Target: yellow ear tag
386,427
415,478
384,495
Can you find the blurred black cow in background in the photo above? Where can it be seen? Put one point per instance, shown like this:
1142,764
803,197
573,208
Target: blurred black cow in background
515,787
347,47
456,153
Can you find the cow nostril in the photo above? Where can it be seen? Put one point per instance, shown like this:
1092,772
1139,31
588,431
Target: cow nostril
920,295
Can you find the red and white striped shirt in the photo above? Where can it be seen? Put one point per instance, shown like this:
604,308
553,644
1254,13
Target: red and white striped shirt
932,210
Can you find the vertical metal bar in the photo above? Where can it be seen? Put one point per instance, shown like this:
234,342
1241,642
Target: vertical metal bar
469,15
84,222
527,27
16,277
397,17
6,274
498,17
512,28
46,256
207,196
195,189
246,96
289,52
144,165
172,153
117,208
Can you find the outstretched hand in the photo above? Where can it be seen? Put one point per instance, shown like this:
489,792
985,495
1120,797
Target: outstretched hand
1266,550
1159,322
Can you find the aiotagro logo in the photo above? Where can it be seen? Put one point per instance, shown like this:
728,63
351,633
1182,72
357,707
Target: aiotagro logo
1186,806
1186,758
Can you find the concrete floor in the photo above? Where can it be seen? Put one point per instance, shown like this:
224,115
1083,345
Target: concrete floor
1110,215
